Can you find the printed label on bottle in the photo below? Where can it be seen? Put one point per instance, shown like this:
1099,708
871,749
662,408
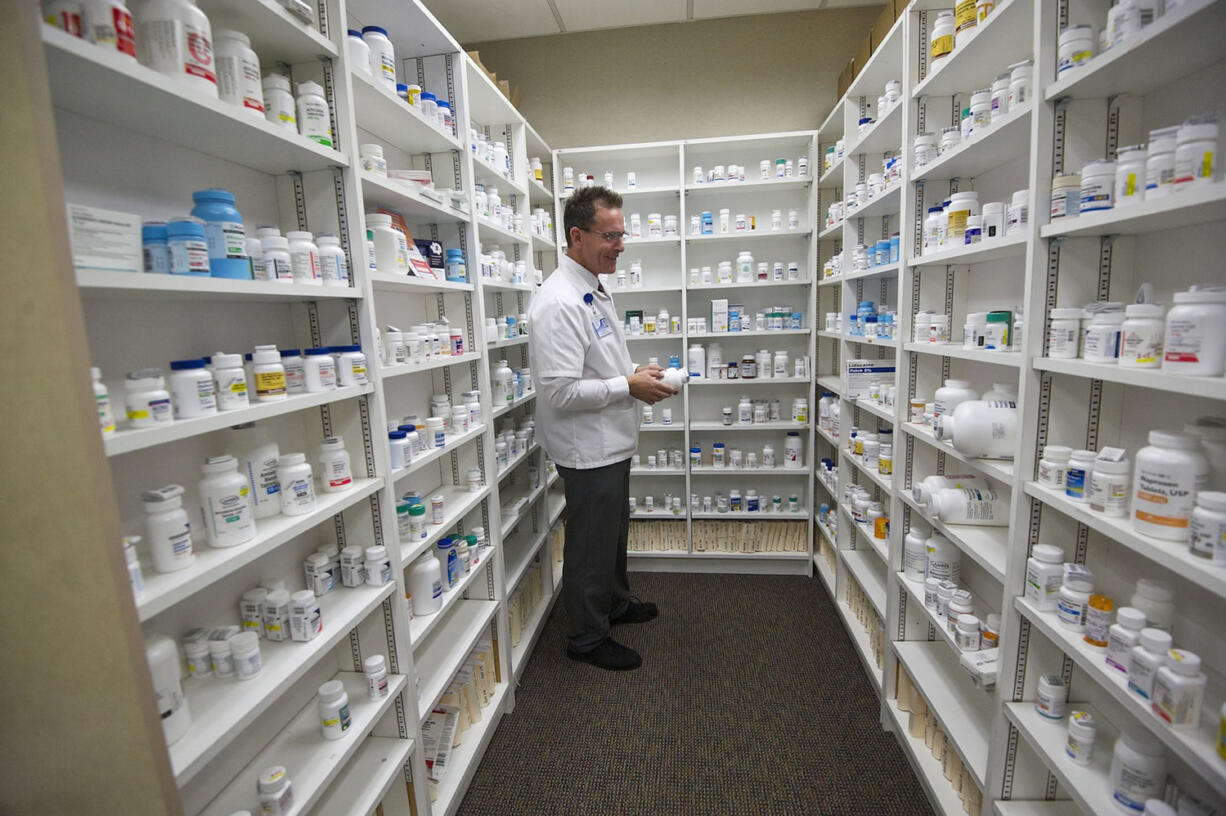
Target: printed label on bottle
269,383
226,239
181,542
942,46
964,15
228,514
1075,483
1185,339
314,124
299,492
1143,347
278,269
189,256
305,265
338,474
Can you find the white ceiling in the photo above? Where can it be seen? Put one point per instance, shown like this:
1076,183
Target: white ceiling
475,21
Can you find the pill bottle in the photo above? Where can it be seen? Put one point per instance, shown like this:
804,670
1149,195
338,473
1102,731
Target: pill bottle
1065,195
1123,635
304,257
1081,733
225,503
980,429
943,559
277,263
1018,214
305,620
1020,83
1044,575
1179,689
192,389
251,610
1130,175
276,794
1080,475
279,102
168,530
951,394
382,56
350,365
295,484
1208,527
231,381
1145,659
1160,162
1101,343
1156,600
966,633
333,268
1170,471
962,205
314,120
199,664
166,673
1141,336
154,248
359,52
1195,338
941,42
981,106
276,615
1196,151
1138,771
174,38
1076,47
1053,466
1097,186
915,554
188,246
371,156
1098,619
319,370
1064,333
1073,602
238,72
335,473
378,566
245,654
1000,94
1050,697
1109,483
269,374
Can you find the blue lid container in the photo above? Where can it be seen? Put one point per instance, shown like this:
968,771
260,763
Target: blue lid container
186,365
223,228
188,247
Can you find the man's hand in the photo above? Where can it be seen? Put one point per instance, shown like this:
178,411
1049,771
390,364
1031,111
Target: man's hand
647,386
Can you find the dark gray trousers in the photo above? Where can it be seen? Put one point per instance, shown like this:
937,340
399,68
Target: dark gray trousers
594,581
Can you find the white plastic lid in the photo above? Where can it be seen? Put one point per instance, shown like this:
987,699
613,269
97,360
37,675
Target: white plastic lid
932,583
1211,500
375,663
1144,310
1174,439
1021,197
277,82
244,643
1130,618
964,195
265,354
1163,140
291,459
146,378
1183,662
275,242
993,622
332,443
299,235
1196,131
1078,578
223,360
1109,318
1047,553
1201,296
378,220
331,691
309,88
1053,686
277,597
1074,33
1070,180
163,498
992,207
219,464
376,553
256,595
229,34
1066,313
1156,807
957,384
1155,640
1084,457
968,623
315,559
1098,167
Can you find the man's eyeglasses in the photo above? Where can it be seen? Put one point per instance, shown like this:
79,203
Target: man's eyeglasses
611,237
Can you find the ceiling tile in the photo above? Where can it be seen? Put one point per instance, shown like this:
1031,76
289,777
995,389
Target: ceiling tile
706,9
588,15
473,21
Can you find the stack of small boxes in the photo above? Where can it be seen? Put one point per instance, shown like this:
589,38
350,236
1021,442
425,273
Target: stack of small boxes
923,725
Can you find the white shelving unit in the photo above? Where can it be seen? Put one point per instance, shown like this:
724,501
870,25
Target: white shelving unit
135,142
671,279
1013,756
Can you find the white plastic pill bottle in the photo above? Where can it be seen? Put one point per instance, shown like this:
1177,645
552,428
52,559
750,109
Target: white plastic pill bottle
1169,473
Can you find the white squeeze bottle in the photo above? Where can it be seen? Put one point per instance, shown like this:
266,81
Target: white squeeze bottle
258,459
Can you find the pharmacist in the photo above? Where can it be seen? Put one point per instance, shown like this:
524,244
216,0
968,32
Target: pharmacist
588,421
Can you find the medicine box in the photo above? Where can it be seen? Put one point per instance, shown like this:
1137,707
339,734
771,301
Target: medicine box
719,314
105,240
862,373
981,666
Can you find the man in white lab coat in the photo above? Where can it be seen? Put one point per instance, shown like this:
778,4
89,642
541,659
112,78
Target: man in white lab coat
588,421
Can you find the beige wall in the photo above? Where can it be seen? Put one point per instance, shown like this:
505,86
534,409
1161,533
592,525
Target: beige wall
769,72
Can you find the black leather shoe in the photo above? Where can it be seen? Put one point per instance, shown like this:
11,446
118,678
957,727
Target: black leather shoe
609,655
636,612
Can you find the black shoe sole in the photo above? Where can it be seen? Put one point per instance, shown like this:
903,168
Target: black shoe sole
588,657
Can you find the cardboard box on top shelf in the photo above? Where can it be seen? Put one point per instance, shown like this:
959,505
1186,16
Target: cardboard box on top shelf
845,77
899,7
881,28
517,95
862,54
505,87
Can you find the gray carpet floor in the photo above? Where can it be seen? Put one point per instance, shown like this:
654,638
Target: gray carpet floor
750,700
